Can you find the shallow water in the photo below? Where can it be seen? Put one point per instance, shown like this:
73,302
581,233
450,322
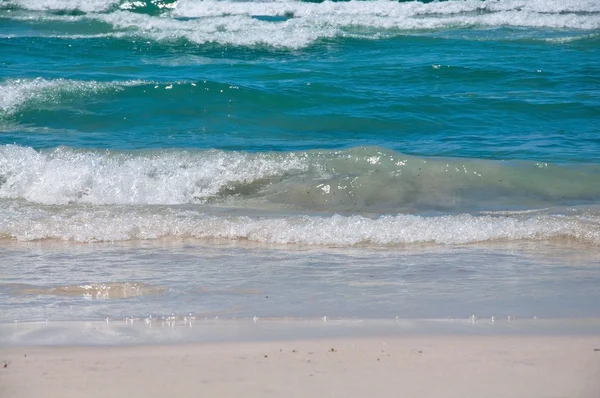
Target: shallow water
61,281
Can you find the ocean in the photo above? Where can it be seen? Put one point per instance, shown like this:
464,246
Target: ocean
299,159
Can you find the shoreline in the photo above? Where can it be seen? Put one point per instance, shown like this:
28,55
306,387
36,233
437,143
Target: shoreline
189,330
410,366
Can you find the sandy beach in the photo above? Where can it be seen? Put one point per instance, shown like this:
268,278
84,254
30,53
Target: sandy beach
430,366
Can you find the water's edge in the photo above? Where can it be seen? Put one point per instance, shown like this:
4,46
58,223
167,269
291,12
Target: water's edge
130,332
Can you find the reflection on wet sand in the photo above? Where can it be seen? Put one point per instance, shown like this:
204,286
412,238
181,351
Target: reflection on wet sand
96,290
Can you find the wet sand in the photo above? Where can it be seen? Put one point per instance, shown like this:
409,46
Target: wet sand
427,366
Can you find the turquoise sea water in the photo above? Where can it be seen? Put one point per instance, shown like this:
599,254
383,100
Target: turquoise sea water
382,157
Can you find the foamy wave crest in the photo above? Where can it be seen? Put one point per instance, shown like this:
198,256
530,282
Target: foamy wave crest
65,176
235,29
396,9
63,5
359,180
300,24
17,93
85,224
198,8
89,6
296,24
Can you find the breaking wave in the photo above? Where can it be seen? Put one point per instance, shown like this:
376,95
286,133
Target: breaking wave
359,180
361,196
19,93
297,24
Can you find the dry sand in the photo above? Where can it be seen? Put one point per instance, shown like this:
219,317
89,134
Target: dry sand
455,366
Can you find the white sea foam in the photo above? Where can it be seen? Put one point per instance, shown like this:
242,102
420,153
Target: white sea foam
196,8
203,8
19,92
66,176
302,23
118,223
235,29
233,22
67,5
